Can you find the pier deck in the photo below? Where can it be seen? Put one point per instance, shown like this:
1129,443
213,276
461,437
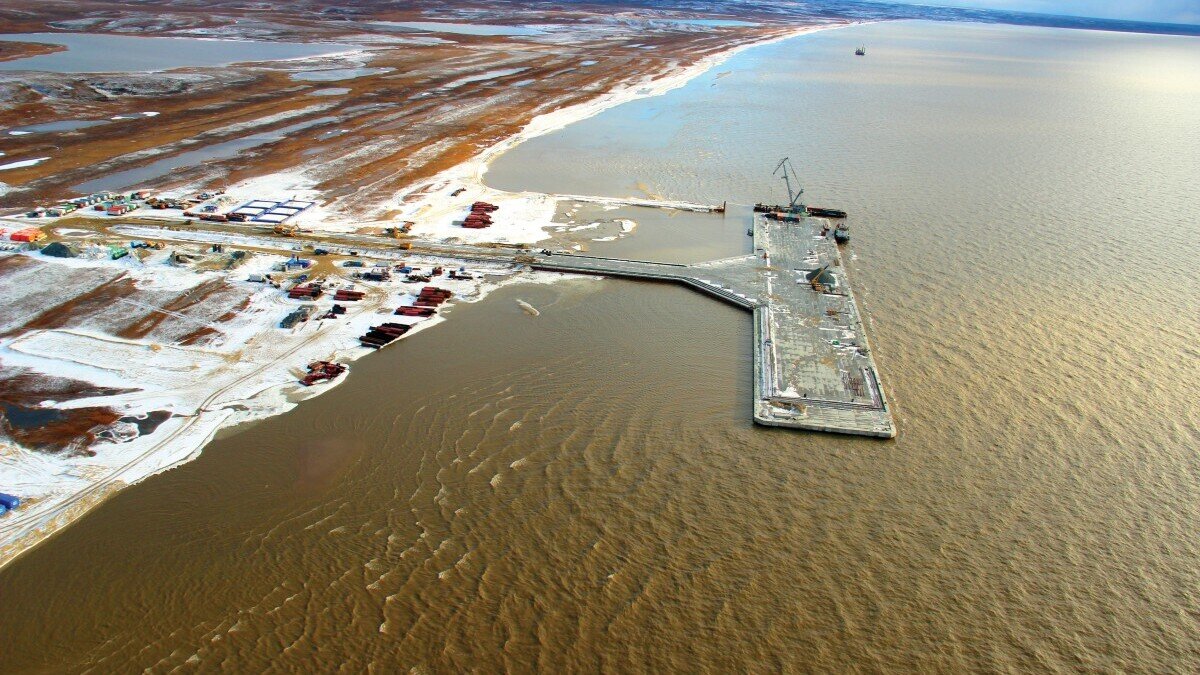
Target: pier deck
813,367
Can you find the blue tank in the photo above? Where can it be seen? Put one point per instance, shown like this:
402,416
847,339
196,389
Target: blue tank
9,502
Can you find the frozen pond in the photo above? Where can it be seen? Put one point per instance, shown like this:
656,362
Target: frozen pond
215,152
87,53
331,91
459,28
489,75
60,125
336,74
716,23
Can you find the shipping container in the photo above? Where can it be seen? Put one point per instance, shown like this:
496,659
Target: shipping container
28,235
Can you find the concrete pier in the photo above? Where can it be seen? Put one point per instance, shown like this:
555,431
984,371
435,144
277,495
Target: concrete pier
813,367
648,203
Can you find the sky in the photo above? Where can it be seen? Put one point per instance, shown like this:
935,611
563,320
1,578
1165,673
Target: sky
1170,11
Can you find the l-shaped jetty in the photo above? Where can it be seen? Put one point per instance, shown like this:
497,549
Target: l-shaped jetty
813,367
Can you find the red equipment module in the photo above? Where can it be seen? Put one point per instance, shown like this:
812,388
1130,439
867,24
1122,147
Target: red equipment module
416,311
344,295
319,371
305,292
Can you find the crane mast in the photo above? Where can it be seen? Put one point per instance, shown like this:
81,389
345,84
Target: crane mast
789,173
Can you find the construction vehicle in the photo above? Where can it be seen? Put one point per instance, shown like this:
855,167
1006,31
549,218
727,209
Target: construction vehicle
286,230
397,232
821,279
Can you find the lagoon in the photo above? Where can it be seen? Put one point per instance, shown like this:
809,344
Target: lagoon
103,53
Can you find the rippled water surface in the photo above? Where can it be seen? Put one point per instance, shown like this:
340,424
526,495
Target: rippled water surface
584,489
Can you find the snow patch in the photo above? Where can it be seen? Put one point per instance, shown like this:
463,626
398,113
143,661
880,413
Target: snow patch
23,163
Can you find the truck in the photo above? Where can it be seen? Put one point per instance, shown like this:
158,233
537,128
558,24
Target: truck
9,502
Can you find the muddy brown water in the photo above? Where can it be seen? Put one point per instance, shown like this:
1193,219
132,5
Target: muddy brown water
584,490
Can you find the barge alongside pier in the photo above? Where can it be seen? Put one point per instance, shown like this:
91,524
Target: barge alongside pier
819,211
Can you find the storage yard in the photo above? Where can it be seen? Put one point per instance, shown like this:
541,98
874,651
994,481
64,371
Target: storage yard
264,211
194,335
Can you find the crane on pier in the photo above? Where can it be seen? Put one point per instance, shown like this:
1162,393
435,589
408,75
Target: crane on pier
789,174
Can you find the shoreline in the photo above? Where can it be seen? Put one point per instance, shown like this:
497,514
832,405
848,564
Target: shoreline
261,393
25,50
434,194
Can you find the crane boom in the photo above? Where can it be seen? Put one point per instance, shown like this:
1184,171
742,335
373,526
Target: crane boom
785,165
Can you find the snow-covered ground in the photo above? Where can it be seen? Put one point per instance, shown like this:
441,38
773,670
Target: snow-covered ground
249,371
522,217
23,163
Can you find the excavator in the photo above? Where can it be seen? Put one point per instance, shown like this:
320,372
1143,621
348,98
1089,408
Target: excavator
814,278
396,232
286,230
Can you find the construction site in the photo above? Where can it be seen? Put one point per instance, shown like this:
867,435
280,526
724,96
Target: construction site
166,281
133,338
813,367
